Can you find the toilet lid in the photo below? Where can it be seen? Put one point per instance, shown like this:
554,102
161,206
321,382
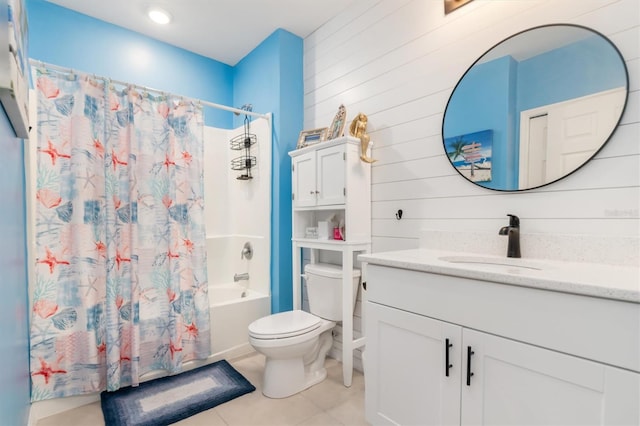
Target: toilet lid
284,324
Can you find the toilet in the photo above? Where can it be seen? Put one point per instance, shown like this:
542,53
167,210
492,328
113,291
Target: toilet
295,343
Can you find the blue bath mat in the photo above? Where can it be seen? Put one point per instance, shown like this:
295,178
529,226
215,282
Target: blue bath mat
170,399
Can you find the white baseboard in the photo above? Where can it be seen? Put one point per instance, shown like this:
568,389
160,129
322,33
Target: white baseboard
357,361
50,407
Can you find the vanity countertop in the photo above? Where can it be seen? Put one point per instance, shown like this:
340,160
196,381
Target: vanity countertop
588,279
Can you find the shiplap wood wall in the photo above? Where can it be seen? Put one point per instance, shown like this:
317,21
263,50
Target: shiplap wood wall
398,61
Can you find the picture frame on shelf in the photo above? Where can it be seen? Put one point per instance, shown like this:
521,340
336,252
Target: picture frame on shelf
337,125
311,137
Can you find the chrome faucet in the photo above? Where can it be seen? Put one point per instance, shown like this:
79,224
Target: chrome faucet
513,231
240,277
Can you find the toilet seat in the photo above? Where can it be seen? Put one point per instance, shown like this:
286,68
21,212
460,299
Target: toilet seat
283,325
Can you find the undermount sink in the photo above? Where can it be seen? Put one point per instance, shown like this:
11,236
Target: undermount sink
492,261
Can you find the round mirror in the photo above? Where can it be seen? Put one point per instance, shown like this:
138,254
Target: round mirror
535,107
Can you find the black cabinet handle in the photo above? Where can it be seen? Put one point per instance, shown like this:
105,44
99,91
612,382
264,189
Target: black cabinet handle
469,373
447,366
364,285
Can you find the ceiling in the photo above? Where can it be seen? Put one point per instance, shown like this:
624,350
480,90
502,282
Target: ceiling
536,41
224,30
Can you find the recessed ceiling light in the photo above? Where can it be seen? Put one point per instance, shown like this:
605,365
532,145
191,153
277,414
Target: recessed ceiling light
159,16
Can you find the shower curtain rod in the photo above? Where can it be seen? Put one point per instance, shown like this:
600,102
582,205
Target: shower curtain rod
36,63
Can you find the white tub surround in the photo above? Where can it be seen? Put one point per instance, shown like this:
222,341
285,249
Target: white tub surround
237,211
499,342
225,260
237,216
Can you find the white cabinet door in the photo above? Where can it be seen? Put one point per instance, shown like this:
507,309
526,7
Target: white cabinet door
304,180
330,182
518,384
407,382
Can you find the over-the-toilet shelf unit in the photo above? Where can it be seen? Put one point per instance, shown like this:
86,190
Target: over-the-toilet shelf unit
328,179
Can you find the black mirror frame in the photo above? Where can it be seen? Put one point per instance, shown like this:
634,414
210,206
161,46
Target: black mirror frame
626,73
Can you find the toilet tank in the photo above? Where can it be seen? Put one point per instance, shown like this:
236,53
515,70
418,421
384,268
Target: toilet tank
324,289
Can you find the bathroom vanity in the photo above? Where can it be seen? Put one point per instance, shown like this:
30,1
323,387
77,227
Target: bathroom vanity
455,338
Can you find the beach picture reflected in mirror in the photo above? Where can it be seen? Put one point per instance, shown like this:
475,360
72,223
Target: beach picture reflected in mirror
471,155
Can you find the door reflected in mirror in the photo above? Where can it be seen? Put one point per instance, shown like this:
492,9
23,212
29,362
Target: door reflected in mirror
535,107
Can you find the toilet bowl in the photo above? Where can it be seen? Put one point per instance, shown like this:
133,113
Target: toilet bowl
295,354
296,343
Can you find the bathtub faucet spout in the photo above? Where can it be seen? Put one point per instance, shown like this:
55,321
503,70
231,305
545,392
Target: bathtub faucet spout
240,277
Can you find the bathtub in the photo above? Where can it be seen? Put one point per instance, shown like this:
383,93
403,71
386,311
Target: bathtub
230,315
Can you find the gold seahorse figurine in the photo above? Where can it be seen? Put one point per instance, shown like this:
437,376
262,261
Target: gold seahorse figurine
358,129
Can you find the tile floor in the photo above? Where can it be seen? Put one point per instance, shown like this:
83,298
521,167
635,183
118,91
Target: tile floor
325,404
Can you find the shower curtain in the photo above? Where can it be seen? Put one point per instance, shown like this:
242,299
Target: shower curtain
120,242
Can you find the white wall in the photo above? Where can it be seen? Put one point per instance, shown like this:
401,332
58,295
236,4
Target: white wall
238,211
398,61
237,206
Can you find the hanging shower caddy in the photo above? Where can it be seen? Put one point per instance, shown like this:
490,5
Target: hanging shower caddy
244,142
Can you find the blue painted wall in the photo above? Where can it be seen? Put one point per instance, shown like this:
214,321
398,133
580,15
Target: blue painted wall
576,63
14,318
63,37
484,100
14,344
270,78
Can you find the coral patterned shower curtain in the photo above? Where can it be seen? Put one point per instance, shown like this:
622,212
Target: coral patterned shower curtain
120,243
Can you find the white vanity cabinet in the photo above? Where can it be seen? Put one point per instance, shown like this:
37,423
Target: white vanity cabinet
406,376
517,355
517,383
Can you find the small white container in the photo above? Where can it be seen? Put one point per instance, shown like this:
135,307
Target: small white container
324,289
324,230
